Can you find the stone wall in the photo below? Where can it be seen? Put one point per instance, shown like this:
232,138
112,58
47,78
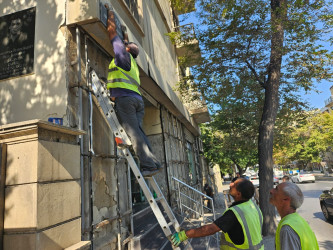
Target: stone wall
42,186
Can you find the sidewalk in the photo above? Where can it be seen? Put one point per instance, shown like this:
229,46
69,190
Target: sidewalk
322,177
269,242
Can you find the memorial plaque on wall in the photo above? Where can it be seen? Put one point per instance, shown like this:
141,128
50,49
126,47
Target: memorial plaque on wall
17,37
104,19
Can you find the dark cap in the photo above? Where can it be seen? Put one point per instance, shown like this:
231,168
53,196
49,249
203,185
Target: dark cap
133,49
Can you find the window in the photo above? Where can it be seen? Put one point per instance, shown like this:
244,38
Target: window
190,158
133,6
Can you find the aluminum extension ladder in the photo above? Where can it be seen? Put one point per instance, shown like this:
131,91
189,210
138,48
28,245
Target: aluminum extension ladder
105,106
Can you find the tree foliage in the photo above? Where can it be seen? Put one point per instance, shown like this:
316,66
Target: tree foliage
213,145
273,47
235,36
237,117
309,141
228,149
183,6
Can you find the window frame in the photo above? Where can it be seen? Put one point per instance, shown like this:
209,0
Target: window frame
137,23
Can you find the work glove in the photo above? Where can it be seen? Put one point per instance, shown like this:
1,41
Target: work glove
178,238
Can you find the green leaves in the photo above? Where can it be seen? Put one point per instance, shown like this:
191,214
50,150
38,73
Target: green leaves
308,140
228,149
236,44
237,37
257,53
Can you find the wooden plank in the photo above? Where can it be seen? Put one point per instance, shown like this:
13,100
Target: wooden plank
3,160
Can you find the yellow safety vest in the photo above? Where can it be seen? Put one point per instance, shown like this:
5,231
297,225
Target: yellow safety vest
120,78
250,217
302,228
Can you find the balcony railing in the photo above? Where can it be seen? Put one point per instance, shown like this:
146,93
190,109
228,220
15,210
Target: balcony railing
196,106
191,204
187,32
187,45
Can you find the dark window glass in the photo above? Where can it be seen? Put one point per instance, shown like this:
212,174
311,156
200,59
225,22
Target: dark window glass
133,6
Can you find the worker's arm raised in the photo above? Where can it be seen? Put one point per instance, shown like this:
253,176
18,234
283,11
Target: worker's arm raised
124,30
111,23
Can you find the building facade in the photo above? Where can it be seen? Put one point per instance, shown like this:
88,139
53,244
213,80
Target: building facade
329,103
65,185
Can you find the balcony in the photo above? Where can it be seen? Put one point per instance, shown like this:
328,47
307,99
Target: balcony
187,46
197,107
200,115
329,102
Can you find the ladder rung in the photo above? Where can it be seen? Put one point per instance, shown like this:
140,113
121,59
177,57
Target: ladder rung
171,223
159,198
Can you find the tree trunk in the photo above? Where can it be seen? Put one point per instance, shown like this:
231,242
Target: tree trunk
266,128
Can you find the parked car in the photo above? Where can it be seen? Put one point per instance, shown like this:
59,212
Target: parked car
326,204
255,180
278,174
303,177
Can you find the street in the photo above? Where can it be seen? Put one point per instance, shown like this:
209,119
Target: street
311,211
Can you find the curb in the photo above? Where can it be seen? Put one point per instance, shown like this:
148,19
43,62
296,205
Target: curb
324,178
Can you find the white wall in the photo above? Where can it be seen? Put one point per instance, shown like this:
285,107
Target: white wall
42,94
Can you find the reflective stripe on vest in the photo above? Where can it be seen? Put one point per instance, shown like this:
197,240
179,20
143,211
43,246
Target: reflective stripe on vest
227,244
232,246
303,230
119,78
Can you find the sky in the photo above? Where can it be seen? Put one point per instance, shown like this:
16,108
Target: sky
317,100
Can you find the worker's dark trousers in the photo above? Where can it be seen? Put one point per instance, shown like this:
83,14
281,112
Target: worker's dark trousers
130,112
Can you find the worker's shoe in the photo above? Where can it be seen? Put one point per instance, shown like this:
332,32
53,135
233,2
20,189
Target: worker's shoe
148,172
158,166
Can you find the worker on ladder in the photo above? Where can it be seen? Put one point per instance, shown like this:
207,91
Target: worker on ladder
123,82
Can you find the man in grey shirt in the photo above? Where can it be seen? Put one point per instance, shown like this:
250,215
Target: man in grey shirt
293,231
289,238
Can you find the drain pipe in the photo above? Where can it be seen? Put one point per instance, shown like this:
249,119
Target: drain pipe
78,52
90,146
129,185
166,164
